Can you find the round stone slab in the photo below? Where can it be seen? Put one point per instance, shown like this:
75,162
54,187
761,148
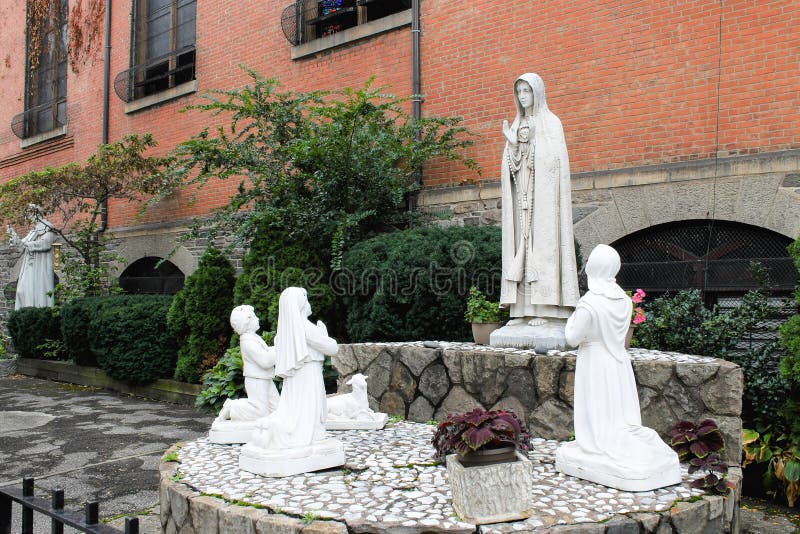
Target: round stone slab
13,421
390,480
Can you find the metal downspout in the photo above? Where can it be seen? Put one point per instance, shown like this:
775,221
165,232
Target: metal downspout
106,94
416,96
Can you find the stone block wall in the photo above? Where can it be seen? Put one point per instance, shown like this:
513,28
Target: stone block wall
423,384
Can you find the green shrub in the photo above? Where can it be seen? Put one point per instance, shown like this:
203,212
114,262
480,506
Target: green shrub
128,335
275,262
765,390
223,381
413,284
480,310
33,331
76,316
198,316
682,323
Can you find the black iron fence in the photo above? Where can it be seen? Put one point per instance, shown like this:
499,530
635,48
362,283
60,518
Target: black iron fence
88,521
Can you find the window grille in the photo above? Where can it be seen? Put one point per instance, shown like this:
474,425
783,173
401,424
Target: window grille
45,73
163,48
715,257
306,20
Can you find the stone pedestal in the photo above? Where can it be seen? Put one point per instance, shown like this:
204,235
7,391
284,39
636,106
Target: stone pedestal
542,338
491,493
287,462
228,432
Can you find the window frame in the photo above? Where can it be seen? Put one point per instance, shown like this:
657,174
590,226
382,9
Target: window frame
58,62
142,85
350,35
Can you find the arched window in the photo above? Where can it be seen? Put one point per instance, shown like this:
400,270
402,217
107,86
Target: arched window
146,276
713,256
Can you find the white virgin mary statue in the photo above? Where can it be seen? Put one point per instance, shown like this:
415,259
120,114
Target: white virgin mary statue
539,273
293,438
35,282
611,446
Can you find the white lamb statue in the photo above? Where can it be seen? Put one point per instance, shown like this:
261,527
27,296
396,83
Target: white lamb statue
351,411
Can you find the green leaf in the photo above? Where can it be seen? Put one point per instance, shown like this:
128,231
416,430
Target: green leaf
791,470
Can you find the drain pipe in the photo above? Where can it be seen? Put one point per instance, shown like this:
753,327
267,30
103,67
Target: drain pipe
416,97
106,94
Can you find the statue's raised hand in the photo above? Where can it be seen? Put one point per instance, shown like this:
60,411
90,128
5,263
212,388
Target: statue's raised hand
509,135
322,327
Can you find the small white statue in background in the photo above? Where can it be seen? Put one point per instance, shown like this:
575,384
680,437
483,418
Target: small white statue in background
611,446
293,439
351,411
237,419
35,283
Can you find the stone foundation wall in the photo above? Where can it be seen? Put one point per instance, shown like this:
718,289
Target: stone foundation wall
422,384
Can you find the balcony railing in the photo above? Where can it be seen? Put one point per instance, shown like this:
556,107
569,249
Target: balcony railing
40,119
305,20
156,75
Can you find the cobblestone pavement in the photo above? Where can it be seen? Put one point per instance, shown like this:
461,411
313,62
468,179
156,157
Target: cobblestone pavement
94,444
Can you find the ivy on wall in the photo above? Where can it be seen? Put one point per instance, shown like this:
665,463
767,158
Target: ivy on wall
84,28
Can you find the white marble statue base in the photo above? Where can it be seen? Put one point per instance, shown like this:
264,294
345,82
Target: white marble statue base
287,462
573,462
377,422
549,336
227,431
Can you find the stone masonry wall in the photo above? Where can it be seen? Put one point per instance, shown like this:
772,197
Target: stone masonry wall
422,384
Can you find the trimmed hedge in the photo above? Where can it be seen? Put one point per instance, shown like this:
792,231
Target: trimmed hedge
198,316
414,284
76,317
128,336
30,328
274,262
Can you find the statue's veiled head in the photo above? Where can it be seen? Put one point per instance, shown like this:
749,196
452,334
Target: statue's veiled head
529,86
601,271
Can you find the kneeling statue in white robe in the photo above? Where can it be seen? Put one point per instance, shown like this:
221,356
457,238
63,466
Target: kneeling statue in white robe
611,446
293,439
237,419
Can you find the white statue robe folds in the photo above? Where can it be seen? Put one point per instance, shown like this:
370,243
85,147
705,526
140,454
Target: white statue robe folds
608,423
301,347
36,274
538,256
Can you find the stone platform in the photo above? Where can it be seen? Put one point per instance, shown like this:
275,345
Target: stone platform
391,483
421,383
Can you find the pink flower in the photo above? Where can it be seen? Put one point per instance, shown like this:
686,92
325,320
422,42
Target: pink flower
638,296
639,317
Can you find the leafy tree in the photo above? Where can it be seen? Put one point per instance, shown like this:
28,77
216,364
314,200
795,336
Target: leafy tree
72,197
325,168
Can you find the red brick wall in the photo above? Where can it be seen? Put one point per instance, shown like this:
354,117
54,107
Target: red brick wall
634,82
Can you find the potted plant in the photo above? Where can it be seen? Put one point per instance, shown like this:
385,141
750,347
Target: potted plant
485,316
489,478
